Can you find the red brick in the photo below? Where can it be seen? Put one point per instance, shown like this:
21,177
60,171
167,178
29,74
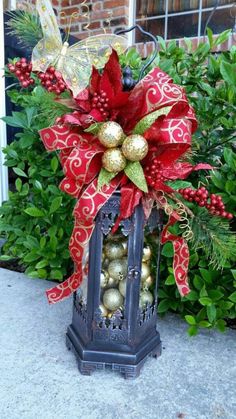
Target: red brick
110,4
92,25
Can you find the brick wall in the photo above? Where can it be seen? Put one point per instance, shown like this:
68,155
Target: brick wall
93,18
106,15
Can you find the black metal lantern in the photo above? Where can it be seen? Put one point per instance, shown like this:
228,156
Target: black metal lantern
115,310
114,317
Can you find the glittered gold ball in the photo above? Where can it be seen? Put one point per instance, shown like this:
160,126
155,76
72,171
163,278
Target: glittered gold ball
104,311
104,277
114,250
112,299
113,160
147,253
135,147
111,134
146,283
125,246
145,271
105,263
146,297
122,287
117,269
112,283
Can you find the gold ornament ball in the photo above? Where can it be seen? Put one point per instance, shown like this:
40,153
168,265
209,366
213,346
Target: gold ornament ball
104,279
115,237
146,297
122,287
147,253
146,283
135,147
125,246
113,160
117,269
104,311
112,299
111,134
114,250
145,271
112,283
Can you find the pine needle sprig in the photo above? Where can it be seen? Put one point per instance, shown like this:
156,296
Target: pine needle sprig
213,235
25,26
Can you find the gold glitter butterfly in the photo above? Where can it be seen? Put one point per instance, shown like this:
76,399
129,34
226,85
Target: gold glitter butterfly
74,62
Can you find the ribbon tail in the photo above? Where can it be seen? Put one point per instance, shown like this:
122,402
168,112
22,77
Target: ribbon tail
181,256
86,209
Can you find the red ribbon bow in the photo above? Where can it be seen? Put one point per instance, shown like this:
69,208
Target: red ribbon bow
80,156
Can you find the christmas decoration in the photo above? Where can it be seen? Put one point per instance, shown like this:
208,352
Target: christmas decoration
147,282
104,279
118,268
22,70
111,134
114,250
74,62
147,253
122,287
112,299
133,140
113,160
135,147
145,271
104,311
146,297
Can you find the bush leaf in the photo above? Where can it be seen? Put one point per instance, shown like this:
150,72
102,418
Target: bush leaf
34,212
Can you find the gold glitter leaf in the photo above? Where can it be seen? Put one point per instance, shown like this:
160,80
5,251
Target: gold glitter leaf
149,119
105,177
134,171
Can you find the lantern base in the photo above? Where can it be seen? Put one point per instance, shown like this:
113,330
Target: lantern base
128,364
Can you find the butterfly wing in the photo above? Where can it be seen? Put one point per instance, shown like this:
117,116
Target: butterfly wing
48,49
80,57
97,49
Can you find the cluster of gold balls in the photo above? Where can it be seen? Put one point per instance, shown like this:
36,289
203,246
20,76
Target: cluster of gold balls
120,148
114,272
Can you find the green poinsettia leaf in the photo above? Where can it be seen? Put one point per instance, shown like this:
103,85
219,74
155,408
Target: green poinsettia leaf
134,172
105,177
149,119
94,128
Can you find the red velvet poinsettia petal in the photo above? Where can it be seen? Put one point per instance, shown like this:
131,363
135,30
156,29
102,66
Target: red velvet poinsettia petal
161,186
113,69
94,81
181,170
119,100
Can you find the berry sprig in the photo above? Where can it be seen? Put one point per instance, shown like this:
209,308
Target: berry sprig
52,81
100,102
215,205
22,70
153,174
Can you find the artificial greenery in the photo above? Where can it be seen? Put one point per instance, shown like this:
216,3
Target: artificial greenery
37,219
25,26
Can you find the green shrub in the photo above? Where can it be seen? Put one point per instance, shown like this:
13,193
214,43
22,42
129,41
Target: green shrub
37,218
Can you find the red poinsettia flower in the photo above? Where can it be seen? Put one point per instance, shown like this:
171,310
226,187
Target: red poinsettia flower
102,100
